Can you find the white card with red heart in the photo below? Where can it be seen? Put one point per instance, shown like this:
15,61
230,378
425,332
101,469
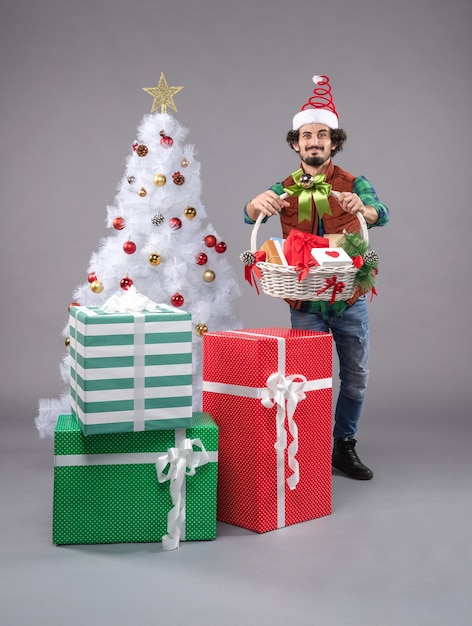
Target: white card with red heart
331,257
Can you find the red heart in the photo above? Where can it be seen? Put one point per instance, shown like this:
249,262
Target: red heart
332,253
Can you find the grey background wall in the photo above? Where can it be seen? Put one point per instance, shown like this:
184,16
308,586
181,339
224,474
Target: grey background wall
71,99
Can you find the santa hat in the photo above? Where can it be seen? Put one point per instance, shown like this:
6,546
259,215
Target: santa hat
320,107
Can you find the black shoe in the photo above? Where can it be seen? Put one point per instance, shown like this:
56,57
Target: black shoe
346,460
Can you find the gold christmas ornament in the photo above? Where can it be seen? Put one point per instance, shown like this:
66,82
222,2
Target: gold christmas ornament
142,192
154,258
96,286
163,95
67,342
184,162
201,329
209,276
190,212
159,180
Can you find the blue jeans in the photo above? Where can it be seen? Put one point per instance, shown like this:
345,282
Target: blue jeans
350,332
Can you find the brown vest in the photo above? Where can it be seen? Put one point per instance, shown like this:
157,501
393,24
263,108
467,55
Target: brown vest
340,180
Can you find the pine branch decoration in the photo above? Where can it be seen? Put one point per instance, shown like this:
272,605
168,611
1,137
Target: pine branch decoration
365,278
354,245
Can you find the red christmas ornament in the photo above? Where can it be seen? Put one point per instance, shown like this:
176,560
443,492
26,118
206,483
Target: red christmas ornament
201,258
129,247
221,247
91,277
177,299
72,304
175,223
125,283
166,141
210,241
119,223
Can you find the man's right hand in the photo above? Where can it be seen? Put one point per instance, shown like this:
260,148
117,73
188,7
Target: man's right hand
268,203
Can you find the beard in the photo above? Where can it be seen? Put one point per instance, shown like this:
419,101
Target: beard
315,161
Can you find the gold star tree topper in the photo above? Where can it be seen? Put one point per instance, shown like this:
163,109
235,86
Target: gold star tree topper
163,95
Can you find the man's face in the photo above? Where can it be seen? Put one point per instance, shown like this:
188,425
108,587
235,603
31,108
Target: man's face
314,144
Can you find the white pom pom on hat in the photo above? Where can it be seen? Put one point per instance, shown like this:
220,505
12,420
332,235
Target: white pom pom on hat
320,107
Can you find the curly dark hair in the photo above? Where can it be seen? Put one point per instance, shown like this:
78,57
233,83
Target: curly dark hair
338,137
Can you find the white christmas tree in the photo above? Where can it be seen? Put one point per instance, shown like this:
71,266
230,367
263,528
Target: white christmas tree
160,242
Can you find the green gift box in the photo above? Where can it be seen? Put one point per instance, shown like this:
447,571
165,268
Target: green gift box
143,486
131,371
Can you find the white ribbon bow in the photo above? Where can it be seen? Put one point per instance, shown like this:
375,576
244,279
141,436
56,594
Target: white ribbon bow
280,390
129,301
182,462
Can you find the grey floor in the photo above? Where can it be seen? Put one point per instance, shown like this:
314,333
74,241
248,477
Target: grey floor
396,550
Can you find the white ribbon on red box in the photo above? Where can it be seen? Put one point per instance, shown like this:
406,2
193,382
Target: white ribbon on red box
284,392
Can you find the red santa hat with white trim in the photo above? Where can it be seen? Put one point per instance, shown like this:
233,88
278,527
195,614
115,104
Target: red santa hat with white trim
320,107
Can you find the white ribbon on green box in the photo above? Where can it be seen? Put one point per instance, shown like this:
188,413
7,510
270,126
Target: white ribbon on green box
131,370
181,460
284,392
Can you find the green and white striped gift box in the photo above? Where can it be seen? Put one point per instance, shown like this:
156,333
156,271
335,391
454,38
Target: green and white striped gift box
131,371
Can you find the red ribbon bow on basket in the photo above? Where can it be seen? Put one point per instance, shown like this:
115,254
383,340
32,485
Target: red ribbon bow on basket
304,268
332,283
251,271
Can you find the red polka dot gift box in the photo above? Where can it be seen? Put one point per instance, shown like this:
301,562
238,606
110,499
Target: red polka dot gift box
269,390
147,486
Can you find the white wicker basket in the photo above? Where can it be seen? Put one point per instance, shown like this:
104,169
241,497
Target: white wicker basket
281,281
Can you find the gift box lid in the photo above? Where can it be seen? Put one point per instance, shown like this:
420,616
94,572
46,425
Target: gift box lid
69,439
331,257
96,315
304,350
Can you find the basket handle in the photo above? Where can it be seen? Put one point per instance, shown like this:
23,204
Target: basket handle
364,232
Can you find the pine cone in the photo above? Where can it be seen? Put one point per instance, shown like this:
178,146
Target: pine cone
157,219
142,150
371,258
178,178
247,257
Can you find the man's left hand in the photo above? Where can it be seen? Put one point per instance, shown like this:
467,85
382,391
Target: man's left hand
351,203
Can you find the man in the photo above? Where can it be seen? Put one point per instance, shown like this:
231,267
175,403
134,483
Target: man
316,137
